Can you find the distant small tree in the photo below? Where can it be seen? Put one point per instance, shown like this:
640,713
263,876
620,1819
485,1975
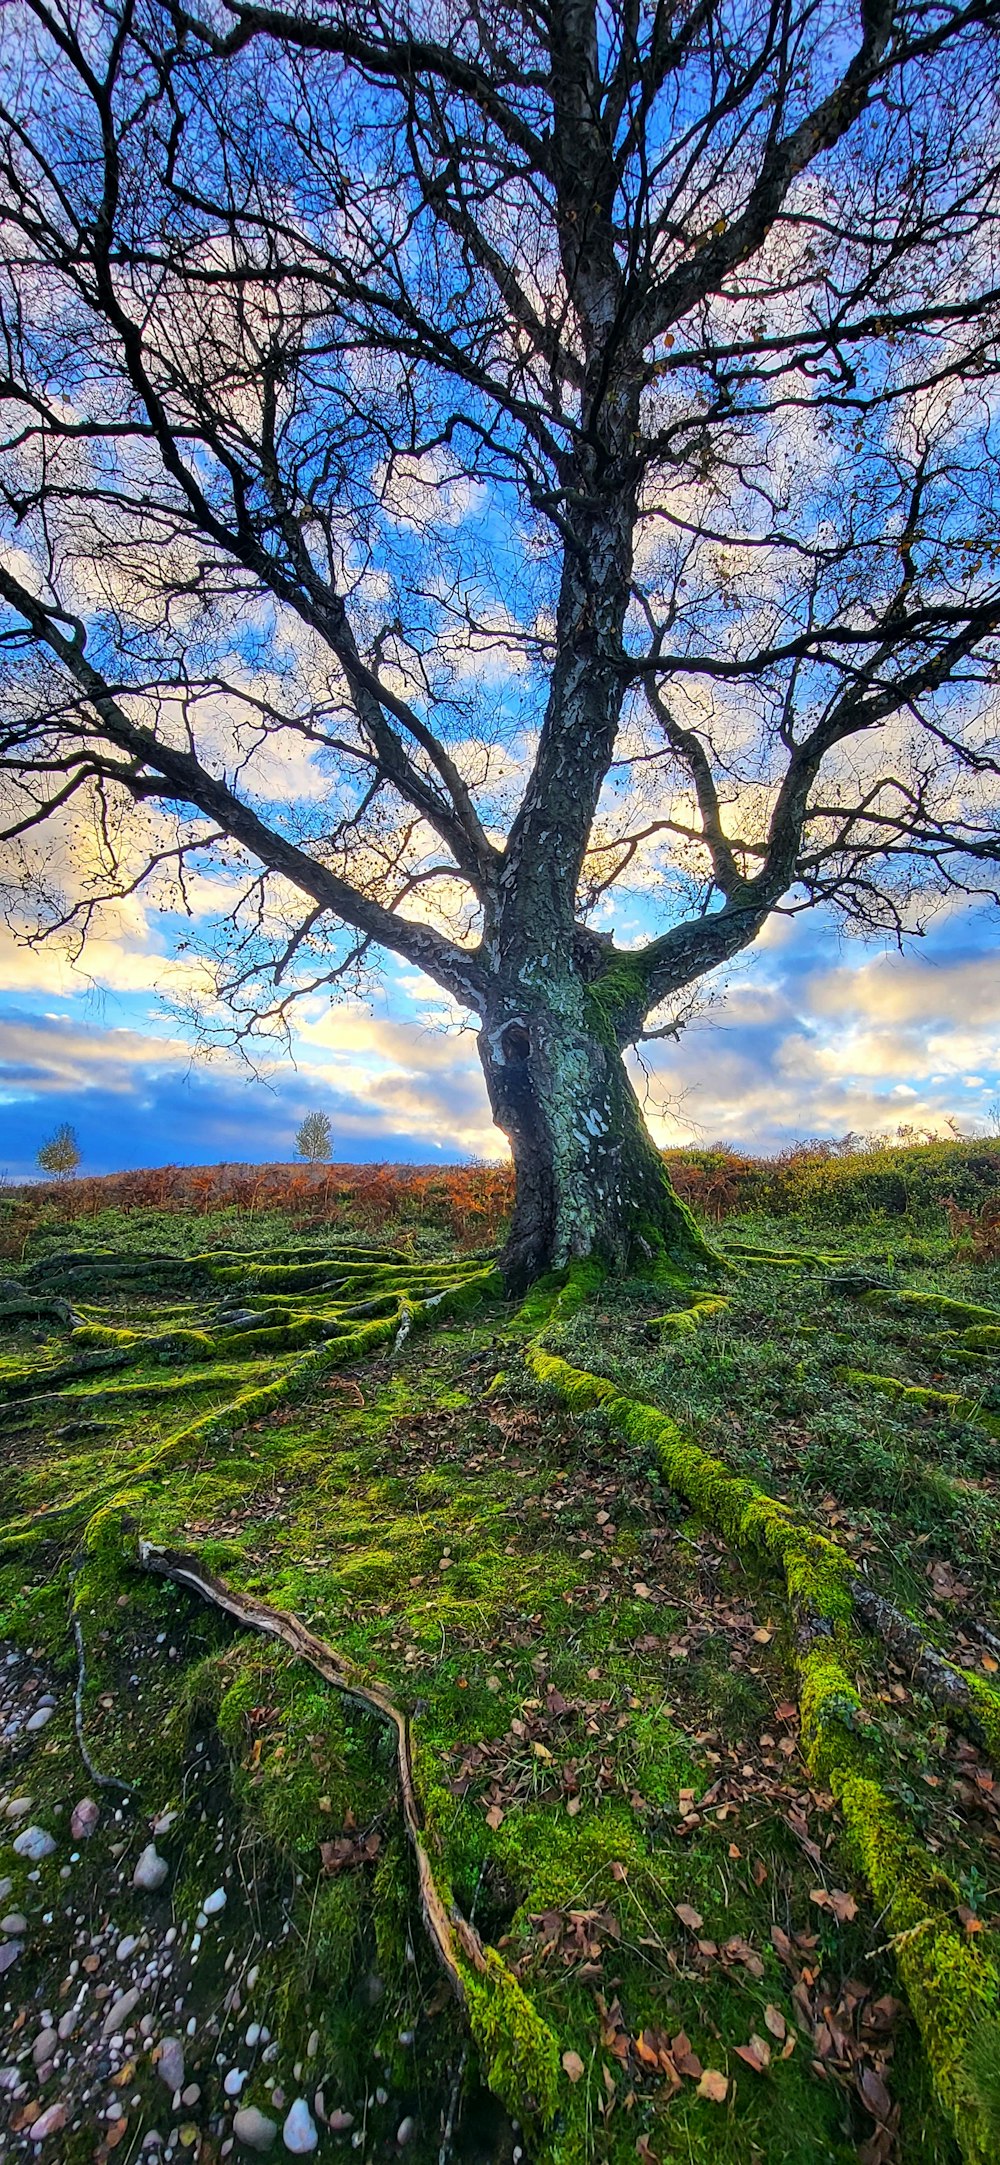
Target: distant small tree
314,1138
61,1154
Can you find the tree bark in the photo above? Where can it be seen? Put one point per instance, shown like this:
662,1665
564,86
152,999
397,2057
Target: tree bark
590,1181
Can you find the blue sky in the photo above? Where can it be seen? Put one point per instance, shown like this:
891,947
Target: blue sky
812,1035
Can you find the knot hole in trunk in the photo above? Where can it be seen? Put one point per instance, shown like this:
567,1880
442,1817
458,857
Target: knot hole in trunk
515,1044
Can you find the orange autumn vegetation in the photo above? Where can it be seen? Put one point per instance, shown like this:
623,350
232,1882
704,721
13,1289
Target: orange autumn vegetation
467,1203
825,1183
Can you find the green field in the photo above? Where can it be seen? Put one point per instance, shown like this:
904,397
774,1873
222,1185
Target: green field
687,1599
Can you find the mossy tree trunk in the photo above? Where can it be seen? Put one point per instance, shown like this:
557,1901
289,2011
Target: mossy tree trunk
590,1182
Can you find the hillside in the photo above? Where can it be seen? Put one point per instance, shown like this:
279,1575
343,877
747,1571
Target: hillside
553,1732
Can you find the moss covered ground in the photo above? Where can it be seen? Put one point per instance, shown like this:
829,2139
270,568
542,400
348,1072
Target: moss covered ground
680,1792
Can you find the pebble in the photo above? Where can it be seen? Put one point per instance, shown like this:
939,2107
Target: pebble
38,1719
50,2123
214,1902
14,1923
405,2131
151,1870
253,2129
6,1888
191,2095
84,1819
44,2046
170,2063
33,1843
119,2012
253,2034
313,2046
338,2121
9,1953
17,1807
68,2022
126,1947
299,2133
235,2081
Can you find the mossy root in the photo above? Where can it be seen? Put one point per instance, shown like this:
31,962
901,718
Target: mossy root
952,1985
520,2053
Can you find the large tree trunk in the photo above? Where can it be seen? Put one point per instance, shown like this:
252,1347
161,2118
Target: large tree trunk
590,1180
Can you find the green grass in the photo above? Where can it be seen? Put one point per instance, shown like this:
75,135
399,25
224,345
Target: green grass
583,1660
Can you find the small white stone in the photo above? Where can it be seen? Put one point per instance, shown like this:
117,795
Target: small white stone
405,2131
214,1902
170,2063
151,1870
119,2012
50,2123
253,2034
235,2081
299,2133
14,1924
126,1947
313,2046
33,1843
38,1719
253,2129
44,2046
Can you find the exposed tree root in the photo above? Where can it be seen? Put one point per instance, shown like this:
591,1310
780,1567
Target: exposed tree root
952,1403
952,1986
955,1692
465,1286
519,2052
297,1307
447,1929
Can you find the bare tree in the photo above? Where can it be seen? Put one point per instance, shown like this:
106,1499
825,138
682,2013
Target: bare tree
467,463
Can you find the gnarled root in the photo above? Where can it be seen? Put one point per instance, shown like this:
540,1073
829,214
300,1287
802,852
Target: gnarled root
519,2052
447,1928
